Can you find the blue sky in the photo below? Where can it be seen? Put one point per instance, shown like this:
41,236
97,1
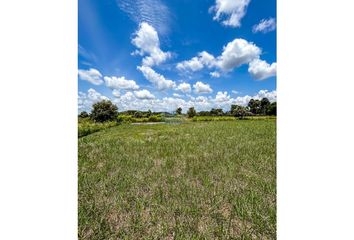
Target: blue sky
162,54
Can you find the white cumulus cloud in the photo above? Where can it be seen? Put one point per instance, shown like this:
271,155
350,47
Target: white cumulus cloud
261,70
264,26
190,65
144,94
222,97
236,53
147,41
85,100
157,79
230,12
215,74
177,95
200,87
204,59
134,101
116,93
92,75
184,87
120,83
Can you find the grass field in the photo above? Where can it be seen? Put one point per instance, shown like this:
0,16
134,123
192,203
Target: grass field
196,180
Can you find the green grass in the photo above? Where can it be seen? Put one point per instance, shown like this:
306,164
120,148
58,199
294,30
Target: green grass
199,180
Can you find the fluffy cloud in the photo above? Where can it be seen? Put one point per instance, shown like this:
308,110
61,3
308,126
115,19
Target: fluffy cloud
260,69
120,83
206,59
116,93
144,94
264,26
147,40
197,63
177,95
92,75
230,12
215,74
130,101
243,101
222,97
190,65
158,80
184,87
200,87
236,53
85,100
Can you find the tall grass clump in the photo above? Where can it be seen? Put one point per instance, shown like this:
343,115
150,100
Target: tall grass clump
212,118
87,127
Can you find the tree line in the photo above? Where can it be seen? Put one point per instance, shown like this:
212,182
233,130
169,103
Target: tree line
105,110
254,107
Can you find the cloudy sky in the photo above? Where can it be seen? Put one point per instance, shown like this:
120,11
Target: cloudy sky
164,54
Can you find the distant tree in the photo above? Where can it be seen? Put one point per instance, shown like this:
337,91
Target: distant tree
103,111
179,110
216,112
239,111
272,109
233,107
138,114
204,113
264,105
191,112
83,114
149,113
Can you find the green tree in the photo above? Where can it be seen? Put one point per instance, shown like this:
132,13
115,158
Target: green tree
191,112
179,110
104,111
239,111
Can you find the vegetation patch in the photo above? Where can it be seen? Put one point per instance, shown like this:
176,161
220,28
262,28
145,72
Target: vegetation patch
199,180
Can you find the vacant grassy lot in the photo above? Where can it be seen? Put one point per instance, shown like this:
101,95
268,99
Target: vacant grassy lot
198,180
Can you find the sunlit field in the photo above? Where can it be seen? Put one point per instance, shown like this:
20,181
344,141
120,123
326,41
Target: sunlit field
190,180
